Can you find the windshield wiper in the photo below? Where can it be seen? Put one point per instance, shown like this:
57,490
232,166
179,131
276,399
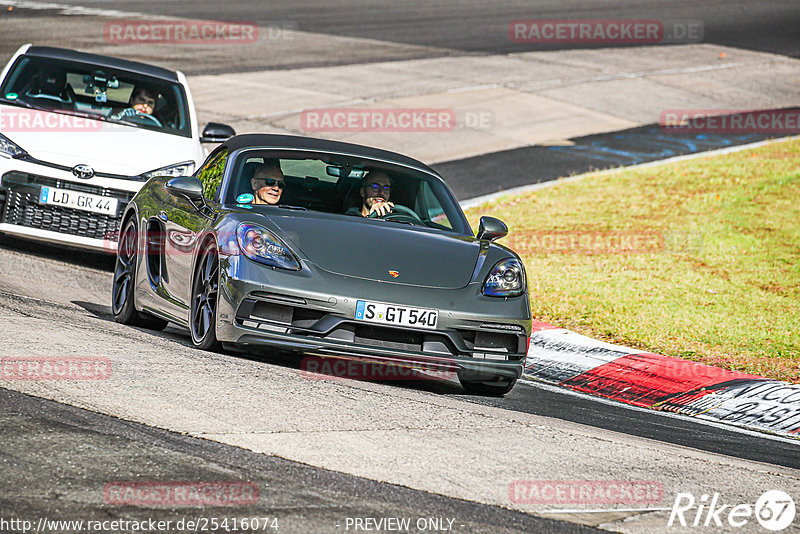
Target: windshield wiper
288,207
17,103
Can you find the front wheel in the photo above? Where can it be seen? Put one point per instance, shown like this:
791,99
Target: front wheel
123,287
491,387
205,287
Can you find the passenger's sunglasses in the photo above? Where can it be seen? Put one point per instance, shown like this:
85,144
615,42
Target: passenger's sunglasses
376,188
269,182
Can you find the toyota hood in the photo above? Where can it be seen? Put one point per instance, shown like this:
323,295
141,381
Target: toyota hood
106,147
371,249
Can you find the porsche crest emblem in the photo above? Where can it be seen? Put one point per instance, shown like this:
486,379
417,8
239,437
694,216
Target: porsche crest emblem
394,274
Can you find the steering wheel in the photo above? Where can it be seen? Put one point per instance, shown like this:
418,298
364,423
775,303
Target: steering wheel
400,213
148,119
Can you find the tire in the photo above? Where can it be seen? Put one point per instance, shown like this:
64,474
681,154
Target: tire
205,289
123,292
489,387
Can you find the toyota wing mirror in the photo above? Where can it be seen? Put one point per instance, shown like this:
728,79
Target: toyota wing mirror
215,132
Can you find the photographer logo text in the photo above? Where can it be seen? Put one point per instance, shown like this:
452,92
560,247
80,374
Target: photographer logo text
774,510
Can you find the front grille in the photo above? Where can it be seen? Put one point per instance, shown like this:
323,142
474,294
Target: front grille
22,207
482,340
25,179
388,338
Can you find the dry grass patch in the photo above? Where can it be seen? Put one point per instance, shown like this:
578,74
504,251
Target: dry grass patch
698,259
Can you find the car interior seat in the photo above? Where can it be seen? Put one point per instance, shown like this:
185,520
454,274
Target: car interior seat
352,193
53,86
244,185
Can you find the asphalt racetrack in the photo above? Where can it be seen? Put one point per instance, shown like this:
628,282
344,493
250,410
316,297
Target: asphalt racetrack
475,26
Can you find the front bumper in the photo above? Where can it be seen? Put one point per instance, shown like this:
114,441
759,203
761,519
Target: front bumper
312,311
22,215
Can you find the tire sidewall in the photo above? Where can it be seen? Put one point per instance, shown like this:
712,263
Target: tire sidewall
209,340
127,313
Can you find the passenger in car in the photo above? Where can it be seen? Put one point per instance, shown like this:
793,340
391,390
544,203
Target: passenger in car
267,182
376,187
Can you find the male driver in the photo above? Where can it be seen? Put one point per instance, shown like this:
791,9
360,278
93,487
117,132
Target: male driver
142,102
267,182
376,187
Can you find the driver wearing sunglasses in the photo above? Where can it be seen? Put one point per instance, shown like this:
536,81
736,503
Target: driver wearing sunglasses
376,187
267,182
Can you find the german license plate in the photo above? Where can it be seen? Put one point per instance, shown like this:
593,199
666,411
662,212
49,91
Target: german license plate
377,312
78,200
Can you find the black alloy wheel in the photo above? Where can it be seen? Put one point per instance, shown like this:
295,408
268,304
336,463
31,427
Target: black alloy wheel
205,288
123,287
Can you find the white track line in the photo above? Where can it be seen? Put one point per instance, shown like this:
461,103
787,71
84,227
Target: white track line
601,511
66,9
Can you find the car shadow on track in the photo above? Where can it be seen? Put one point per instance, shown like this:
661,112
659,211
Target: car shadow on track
98,310
297,361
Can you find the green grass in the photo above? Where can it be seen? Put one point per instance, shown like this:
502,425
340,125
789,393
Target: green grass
724,286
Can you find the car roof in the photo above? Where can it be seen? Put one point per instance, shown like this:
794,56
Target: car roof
103,61
314,144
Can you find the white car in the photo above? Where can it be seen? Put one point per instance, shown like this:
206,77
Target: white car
80,134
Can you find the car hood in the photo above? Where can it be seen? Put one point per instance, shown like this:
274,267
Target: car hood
371,249
106,147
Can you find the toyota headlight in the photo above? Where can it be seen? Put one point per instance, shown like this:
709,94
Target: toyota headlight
506,279
261,245
179,169
9,148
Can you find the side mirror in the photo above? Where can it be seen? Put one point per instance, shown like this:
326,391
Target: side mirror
215,132
491,229
187,186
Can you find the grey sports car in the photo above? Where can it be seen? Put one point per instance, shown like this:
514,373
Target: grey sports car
326,248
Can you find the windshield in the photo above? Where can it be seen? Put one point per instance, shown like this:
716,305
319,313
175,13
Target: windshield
131,99
343,185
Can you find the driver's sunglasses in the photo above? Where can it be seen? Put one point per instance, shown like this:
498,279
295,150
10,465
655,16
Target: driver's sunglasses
376,188
269,182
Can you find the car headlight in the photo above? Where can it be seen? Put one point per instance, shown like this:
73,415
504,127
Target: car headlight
9,148
179,169
506,279
261,245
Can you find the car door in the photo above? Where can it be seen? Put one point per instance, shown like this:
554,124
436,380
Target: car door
184,224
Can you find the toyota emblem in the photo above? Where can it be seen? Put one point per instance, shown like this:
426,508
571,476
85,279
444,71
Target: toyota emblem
83,171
